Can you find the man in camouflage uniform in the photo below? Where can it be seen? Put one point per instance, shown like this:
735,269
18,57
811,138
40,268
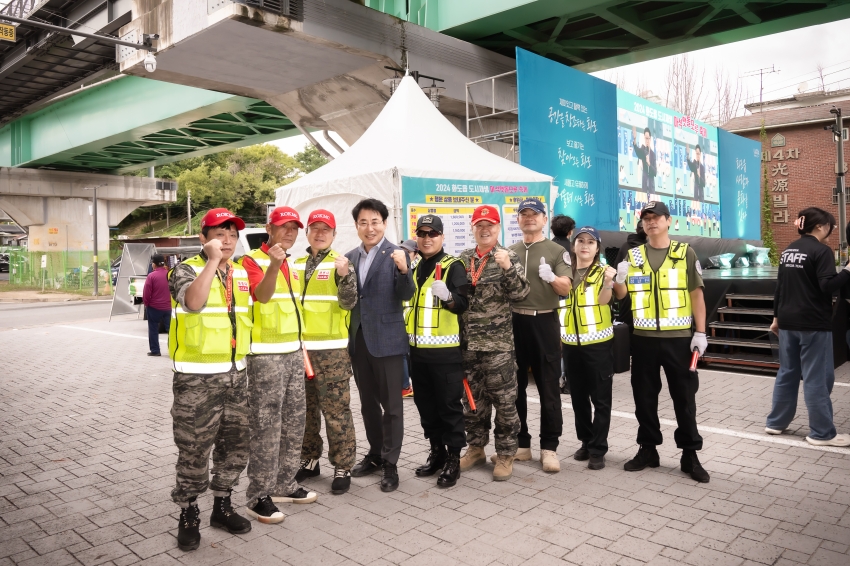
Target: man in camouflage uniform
326,340
496,280
210,395
276,372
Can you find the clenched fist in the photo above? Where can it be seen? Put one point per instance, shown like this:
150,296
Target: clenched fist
503,258
341,264
213,250
622,272
400,259
609,274
277,255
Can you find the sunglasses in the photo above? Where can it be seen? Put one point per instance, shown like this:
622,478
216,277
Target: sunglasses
427,234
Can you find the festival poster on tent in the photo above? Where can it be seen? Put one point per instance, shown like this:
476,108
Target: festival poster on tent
740,177
454,201
567,129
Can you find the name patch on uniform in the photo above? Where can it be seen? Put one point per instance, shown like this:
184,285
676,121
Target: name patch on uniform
323,275
640,280
243,286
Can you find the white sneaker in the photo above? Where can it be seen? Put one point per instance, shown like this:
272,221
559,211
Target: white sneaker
773,431
837,440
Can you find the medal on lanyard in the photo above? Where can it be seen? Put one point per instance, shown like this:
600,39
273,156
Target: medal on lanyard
228,297
475,274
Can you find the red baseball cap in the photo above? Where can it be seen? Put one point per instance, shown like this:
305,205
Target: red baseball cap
218,216
486,212
283,214
322,215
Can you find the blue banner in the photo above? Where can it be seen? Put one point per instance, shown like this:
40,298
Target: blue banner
568,129
740,178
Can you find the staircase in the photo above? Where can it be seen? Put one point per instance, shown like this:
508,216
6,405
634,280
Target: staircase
741,337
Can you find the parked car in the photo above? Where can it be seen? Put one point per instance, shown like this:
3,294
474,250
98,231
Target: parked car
4,262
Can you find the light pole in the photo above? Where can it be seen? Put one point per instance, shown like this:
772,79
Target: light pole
837,134
94,237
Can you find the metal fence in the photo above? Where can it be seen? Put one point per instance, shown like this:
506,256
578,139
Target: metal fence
65,271
290,8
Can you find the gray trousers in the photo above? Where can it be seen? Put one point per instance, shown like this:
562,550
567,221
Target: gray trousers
379,384
277,414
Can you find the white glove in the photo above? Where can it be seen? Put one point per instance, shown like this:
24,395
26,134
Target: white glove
699,342
622,272
545,271
439,289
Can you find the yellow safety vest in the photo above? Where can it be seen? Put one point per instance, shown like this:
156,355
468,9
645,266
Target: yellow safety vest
325,323
660,299
583,320
201,342
428,324
277,323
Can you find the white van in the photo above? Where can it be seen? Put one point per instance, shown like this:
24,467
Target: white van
249,239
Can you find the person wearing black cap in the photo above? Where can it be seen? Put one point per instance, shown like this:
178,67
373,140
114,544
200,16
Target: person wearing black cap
664,281
157,299
536,330
433,330
587,334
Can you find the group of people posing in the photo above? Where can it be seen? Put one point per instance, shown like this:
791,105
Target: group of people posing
261,347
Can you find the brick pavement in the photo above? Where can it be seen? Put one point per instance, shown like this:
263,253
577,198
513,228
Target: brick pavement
87,462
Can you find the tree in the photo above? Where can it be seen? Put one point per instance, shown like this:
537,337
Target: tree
730,96
310,159
686,92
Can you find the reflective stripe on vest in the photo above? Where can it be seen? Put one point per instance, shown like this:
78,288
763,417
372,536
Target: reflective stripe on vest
277,323
583,320
325,323
667,286
428,323
201,342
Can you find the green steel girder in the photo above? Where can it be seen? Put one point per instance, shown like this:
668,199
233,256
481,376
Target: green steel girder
132,123
599,34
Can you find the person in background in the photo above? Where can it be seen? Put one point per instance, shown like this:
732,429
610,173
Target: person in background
157,299
407,388
587,334
377,339
624,310
562,227
802,319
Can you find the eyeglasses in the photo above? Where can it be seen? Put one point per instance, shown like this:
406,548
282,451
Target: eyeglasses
427,234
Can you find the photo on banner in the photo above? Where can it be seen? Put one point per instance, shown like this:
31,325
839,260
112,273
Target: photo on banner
667,156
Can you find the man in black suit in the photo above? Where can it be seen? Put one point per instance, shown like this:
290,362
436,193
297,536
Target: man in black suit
647,158
378,339
697,167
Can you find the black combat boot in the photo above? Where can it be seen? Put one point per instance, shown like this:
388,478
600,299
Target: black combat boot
690,465
224,517
309,469
435,462
188,535
646,456
370,463
389,479
451,470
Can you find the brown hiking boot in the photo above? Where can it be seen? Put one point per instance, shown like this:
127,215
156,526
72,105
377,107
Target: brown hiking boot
504,468
474,457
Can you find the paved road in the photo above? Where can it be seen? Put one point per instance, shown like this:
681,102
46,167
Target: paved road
87,464
24,315
4,275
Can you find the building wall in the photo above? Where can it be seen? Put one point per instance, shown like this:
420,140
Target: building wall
810,177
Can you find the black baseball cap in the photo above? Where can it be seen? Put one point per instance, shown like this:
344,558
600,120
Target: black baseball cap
431,221
532,203
593,232
656,207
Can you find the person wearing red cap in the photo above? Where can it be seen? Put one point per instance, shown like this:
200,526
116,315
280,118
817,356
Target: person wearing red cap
330,292
496,280
208,341
276,372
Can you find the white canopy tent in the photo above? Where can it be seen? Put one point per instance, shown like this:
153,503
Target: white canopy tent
408,139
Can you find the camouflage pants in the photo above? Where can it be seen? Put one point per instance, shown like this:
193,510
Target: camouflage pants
492,379
209,410
276,402
329,394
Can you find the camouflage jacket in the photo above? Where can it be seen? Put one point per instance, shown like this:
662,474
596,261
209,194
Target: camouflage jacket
487,323
346,286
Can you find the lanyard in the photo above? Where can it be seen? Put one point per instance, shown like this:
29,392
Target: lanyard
228,295
474,273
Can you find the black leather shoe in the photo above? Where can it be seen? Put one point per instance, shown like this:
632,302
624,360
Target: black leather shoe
581,454
389,481
224,517
690,465
596,462
451,471
435,462
367,465
188,534
154,354
646,456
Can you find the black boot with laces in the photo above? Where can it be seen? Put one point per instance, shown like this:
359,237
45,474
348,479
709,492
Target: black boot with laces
188,535
224,517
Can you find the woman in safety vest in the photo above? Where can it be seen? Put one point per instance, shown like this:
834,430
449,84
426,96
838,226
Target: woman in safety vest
587,334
